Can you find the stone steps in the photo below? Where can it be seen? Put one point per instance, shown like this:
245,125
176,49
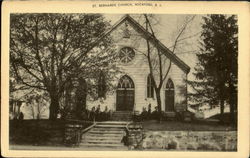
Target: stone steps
109,126
121,118
122,115
106,129
102,135
103,138
112,123
106,132
98,141
105,135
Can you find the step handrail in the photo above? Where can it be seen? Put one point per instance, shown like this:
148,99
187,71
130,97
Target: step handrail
88,128
127,128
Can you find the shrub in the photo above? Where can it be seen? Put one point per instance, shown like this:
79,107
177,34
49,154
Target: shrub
172,144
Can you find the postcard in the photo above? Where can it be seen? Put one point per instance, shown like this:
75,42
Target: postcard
125,79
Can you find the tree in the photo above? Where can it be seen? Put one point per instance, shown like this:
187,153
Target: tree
216,71
47,50
159,64
37,106
81,96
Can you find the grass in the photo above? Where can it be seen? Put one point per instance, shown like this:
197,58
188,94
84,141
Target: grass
39,132
225,116
201,125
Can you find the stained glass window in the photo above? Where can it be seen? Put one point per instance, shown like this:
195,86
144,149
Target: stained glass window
170,85
126,82
126,54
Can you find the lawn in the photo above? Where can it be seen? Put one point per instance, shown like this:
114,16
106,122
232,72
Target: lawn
225,116
201,125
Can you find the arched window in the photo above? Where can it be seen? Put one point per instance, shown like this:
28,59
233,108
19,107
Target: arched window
150,87
126,83
101,85
169,96
125,98
126,54
170,85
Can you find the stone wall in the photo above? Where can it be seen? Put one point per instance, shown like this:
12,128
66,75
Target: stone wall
191,140
38,132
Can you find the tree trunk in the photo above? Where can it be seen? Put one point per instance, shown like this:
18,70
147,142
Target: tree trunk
222,107
80,103
221,111
158,99
79,98
54,106
232,109
221,98
232,103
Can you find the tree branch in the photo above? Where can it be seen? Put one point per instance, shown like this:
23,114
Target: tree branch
181,32
38,55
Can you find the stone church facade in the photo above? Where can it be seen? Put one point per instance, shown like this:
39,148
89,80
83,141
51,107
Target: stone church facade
134,89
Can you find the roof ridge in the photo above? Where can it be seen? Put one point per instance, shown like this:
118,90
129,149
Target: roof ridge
187,68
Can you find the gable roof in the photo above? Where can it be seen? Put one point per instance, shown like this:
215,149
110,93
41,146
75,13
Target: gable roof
175,59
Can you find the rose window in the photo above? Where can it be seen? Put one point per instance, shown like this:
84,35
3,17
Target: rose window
126,54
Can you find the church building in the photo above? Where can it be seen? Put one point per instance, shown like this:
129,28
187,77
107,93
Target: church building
134,88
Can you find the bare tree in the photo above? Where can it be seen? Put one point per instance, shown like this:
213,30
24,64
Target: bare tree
159,64
37,106
46,50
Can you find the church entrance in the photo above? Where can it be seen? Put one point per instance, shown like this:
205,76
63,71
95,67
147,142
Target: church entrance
125,94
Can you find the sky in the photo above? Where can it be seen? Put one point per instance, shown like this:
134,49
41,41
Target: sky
166,28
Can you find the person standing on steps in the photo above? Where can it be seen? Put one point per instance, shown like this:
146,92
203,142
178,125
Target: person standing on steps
106,114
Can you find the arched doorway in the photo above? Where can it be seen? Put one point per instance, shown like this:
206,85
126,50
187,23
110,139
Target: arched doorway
169,96
125,94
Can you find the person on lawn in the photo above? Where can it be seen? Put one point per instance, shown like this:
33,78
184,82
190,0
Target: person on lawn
92,114
155,113
98,112
144,113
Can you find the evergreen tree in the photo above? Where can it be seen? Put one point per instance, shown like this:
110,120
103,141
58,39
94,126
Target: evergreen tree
216,71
